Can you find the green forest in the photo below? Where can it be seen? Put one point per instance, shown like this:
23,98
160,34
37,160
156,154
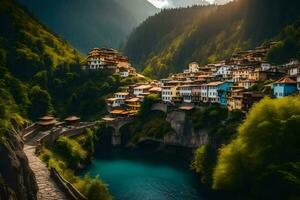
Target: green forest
168,41
254,156
262,160
41,73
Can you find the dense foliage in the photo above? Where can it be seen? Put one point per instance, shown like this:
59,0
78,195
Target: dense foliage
69,154
221,127
288,46
148,124
168,41
264,158
42,73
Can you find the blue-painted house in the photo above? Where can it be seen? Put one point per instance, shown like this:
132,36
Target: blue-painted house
216,92
284,87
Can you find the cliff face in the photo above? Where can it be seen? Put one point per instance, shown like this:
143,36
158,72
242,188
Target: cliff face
183,133
17,181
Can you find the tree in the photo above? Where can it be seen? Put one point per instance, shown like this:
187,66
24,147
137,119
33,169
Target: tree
147,104
40,103
264,158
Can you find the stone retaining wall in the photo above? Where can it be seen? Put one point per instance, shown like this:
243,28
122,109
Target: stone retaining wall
65,186
49,139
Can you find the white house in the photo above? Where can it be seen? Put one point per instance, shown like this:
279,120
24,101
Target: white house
224,71
168,92
121,95
142,89
95,63
204,93
185,92
265,66
118,100
294,70
124,73
212,91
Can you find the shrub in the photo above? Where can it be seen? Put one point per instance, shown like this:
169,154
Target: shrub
70,150
93,188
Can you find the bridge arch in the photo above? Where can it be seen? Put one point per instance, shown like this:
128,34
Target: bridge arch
117,125
164,107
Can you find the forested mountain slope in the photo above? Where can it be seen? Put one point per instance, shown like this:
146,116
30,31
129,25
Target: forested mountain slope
90,23
168,41
41,73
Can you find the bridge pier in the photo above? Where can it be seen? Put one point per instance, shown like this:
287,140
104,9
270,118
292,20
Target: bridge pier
117,125
116,137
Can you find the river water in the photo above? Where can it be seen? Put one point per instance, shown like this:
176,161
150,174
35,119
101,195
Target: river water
145,176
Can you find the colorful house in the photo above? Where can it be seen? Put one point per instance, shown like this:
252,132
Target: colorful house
217,92
284,87
168,92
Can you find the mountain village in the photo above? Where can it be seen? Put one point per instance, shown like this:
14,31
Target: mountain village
236,83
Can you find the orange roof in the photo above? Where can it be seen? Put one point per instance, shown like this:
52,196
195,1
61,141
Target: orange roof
48,122
122,93
155,89
214,83
133,100
72,118
142,87
47,118
111,99
117,112
286,80
187,108
108,119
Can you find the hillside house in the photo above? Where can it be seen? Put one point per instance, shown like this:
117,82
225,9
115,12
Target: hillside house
265,66
224,71
216,92
193,67
246,83
168,92
156,90
196,93
241,73
284,87
133,104
185,92
235,98
294,70
142,89
204,93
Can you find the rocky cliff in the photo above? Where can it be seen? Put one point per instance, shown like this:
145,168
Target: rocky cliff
183,133
17,181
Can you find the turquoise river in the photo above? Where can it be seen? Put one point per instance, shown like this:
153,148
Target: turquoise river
139,176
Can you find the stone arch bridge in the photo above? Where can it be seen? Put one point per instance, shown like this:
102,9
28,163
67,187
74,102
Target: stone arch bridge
117,124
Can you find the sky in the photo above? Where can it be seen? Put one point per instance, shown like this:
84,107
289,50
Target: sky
168,3
160,3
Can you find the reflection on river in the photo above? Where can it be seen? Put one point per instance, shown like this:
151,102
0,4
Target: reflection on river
136,176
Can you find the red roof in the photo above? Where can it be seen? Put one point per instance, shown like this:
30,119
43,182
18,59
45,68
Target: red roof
286,80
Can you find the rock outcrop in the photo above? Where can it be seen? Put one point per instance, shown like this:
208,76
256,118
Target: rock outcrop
183,133
17,181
